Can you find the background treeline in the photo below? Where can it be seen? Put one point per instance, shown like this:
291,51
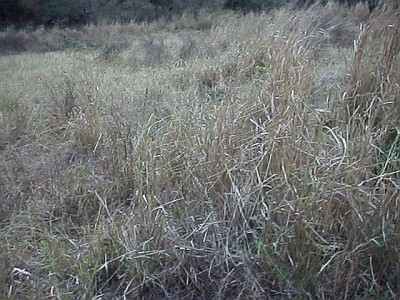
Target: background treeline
20,13
77,12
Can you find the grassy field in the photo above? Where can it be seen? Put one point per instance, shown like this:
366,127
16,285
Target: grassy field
216,157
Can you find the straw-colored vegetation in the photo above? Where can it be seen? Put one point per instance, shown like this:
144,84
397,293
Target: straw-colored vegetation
217,157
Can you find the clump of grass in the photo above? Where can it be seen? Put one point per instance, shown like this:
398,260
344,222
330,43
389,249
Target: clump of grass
188,48
372,95
154,51
201,21
109,52
373,69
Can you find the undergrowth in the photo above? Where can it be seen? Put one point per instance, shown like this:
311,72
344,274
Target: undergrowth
257,157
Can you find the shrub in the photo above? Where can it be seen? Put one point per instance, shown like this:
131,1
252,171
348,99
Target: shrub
253,5
18,42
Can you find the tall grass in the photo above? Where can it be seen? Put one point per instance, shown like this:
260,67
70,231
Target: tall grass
254,158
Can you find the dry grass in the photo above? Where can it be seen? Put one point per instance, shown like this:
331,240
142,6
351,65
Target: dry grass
254,158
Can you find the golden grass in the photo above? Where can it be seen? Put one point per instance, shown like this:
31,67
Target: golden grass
254,158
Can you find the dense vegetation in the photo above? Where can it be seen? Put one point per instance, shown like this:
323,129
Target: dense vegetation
22,13
78,12
209,156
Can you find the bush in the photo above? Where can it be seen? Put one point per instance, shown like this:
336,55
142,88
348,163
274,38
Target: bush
44,12
248,5
15,43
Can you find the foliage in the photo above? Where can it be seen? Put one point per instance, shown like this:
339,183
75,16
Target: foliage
78,12
253,5
46,12
21,13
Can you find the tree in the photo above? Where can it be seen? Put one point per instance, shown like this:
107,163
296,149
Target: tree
12,12
47,12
